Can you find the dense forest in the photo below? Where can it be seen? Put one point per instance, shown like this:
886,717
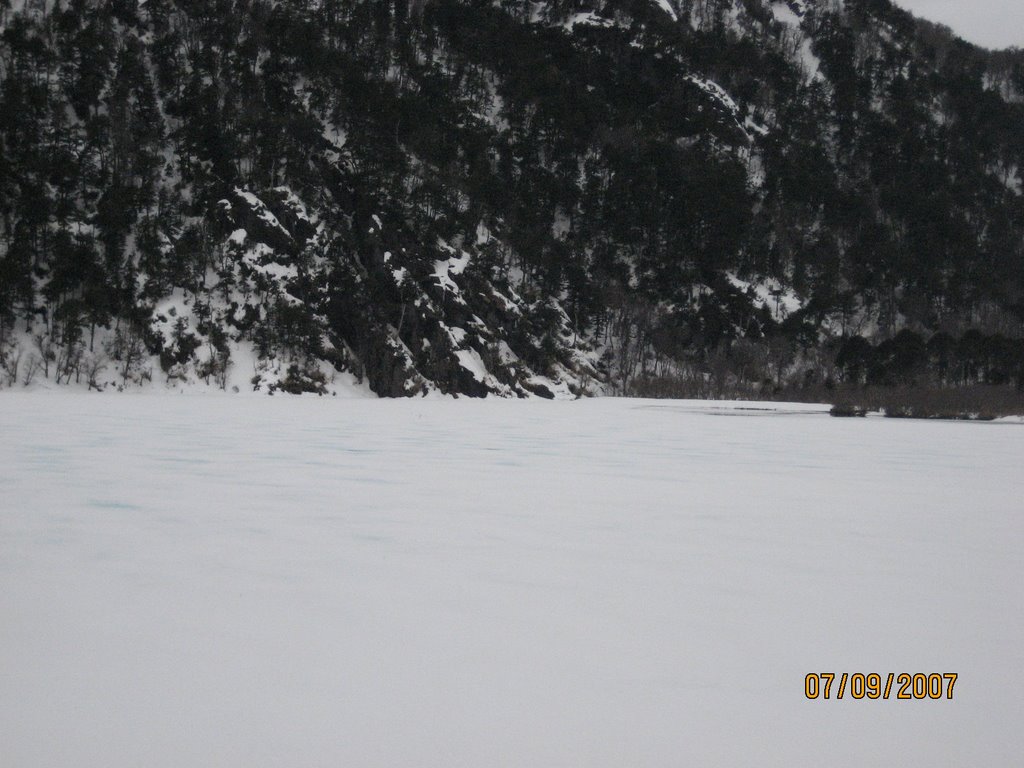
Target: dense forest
685,197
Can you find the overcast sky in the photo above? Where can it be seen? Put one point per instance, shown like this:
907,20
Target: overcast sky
991,23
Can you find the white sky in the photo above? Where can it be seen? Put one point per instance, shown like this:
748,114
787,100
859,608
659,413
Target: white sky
991,23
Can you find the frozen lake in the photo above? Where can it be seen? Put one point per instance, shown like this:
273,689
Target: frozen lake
247,582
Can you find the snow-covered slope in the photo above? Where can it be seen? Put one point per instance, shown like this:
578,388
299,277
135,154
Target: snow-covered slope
512,198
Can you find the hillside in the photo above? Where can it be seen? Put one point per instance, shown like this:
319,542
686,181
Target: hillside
519,198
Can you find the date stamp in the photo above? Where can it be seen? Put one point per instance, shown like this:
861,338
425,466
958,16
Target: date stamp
828,685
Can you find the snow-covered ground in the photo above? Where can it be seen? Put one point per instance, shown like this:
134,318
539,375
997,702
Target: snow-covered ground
244,582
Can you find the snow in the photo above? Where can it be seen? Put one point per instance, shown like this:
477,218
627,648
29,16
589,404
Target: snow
444,269
588,19
470,360
168,309
785,15
722,97
295,204
809,63
215,580
665,6
261,258
756,174
336,139
769,292
261,210
507,303
715,91
561,226
443,277
1009,175
457,335
750,124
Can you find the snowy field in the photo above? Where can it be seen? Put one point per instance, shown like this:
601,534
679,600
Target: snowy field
192,581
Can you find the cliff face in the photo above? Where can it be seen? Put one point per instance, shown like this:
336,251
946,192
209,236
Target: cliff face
517,198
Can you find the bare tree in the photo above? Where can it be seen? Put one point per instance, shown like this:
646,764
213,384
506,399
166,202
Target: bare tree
10,360
69,361
34,366
44,345
127,349
94,365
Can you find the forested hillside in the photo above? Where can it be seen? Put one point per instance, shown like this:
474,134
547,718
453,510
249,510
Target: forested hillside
699,197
